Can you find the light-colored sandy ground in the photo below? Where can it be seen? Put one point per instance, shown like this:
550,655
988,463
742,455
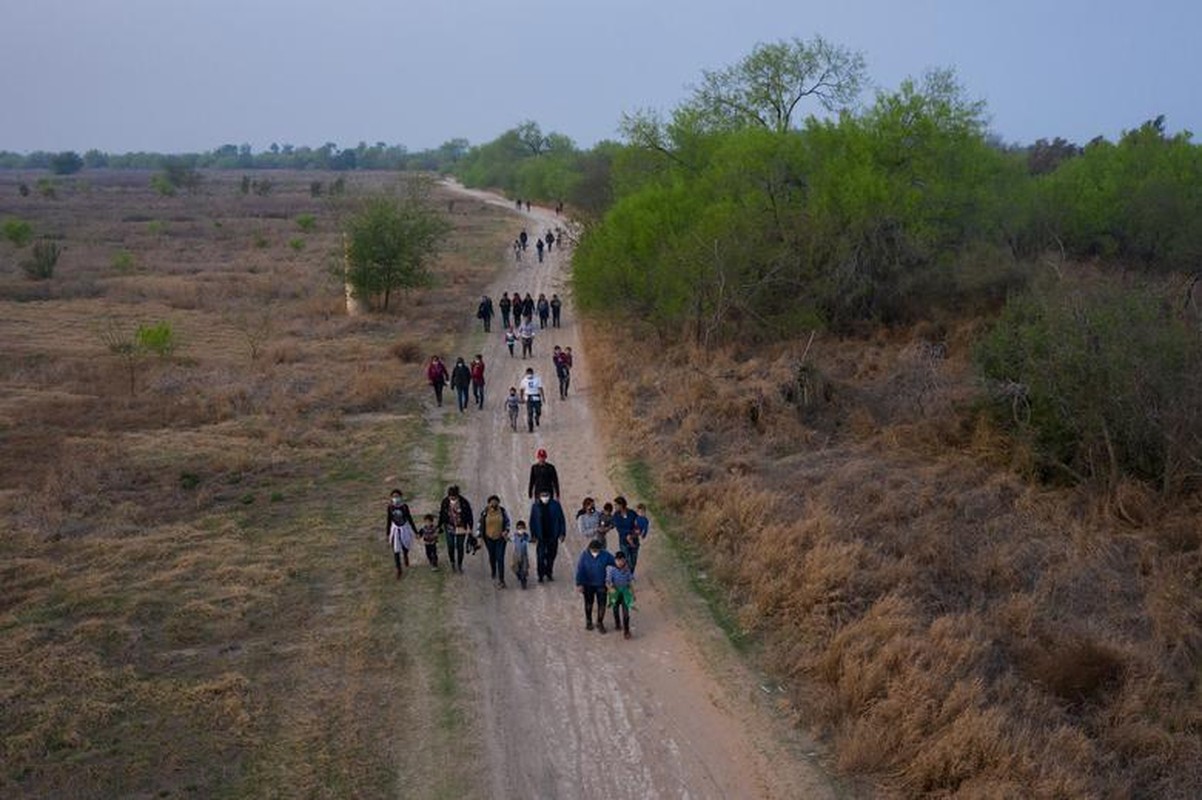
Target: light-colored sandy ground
561,712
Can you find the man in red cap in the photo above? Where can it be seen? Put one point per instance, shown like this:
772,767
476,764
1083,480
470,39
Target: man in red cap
543,477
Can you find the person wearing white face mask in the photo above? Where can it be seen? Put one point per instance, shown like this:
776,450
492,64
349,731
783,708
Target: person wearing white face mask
547,528
400,530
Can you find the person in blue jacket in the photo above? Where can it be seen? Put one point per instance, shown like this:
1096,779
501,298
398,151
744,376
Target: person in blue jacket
590,581
548,527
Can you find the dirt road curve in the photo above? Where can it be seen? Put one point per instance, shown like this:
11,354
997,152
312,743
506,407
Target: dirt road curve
567,713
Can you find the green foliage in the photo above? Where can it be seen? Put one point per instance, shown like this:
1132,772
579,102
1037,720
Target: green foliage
1139,200
158,339
306,222
17,231
163,185
42,260
1103,382
390,241
123,261
178,173
156,227
765,88
297,244
885,216
525,163
66,163
47,188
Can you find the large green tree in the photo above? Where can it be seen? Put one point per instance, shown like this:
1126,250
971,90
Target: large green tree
390,242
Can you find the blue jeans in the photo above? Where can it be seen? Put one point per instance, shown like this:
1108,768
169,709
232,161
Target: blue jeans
461,396
496,557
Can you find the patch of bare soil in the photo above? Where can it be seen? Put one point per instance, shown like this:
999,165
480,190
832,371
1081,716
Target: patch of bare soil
565,712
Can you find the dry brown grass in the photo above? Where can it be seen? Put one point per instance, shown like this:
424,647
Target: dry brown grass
953,629
195,599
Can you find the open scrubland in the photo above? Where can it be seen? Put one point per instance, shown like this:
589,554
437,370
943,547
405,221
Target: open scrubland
954,627
188,607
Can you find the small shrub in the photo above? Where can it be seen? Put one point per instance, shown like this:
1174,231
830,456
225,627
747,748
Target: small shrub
315,188
338,186
123,262
297,244
48,188
161,184
261,242
307,223
156,227
23,189
188,481
18,231
41,263
244,187
159,339
262,187
407,350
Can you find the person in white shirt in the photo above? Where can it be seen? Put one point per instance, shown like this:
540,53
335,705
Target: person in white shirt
531,390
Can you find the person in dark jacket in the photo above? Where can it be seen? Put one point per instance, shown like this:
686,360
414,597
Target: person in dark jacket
484,312
394,530
436,374
504,304
456,521
493,528
461,382
544,310
528,307
556,308
590,581
543,477
547,528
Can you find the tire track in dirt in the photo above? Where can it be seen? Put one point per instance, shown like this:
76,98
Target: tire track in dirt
565,712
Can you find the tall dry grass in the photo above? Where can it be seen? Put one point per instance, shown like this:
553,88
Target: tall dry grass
196,599
952,629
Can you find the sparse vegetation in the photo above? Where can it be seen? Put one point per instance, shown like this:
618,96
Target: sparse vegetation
18,232
42,260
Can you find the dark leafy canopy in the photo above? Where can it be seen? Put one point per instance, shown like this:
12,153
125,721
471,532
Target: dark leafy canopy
390,243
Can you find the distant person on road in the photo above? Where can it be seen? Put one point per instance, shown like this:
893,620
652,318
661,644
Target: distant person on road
484,312
428,533
619,584
477,370
590,581
528,307
623,521
494,530
455,519
523,238
543,476
547,528
521,552
531,392
511,339
538,245
563,370
400,529
544,310
504,304
556,308
550,241
461,382
517,251
437,375
588,519
526,335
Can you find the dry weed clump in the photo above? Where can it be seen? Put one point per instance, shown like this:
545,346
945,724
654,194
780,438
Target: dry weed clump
954,629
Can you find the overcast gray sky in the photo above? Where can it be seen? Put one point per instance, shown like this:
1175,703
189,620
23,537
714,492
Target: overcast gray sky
190,75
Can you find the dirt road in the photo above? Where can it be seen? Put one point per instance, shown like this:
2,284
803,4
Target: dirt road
563,712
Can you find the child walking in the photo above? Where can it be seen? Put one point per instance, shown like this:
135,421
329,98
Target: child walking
513,406
619,581
521,552
429,536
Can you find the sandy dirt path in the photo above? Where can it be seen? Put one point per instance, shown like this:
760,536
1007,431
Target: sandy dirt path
563,712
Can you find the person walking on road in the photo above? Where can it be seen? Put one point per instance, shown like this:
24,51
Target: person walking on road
619,584
504,304
543,476
532,395
428,533
562,360
521,552
526,334
400,529
590,581
588,520
624,524
556,307
547,528
437,375
544,309
476,368
494,529
461,382
455,519
484,312
538,245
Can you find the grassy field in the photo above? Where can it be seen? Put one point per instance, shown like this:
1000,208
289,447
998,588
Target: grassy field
951,629
198,599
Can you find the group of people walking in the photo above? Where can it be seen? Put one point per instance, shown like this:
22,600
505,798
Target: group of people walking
605,580
542,244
